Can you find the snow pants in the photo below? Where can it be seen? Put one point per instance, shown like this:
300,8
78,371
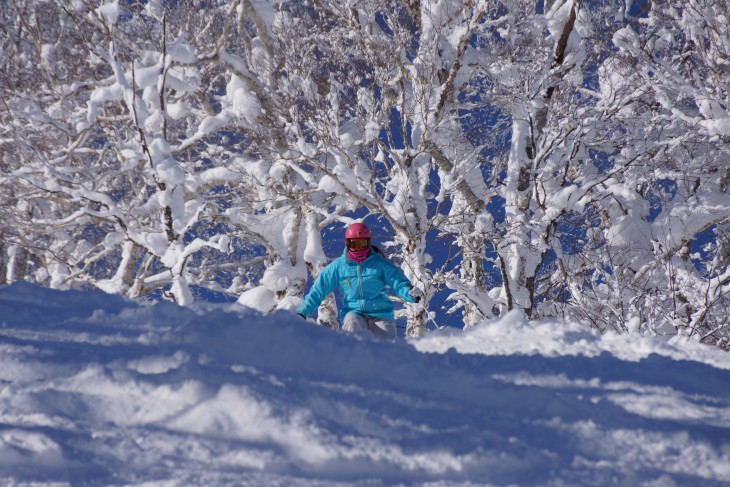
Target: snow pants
380,328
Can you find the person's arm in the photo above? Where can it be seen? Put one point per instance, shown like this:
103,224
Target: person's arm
325,283
397,281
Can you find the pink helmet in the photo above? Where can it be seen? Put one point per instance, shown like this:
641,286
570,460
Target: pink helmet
357,230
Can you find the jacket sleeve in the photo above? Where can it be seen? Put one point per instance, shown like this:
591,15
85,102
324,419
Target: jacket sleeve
397,281
325,283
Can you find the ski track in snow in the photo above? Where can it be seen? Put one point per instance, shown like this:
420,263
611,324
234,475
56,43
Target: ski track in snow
99,390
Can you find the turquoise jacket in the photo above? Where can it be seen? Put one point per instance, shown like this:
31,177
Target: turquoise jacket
363,286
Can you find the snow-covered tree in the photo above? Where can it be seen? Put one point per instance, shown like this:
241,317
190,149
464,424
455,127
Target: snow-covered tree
669,79
573,153
372,114
103,119
532,65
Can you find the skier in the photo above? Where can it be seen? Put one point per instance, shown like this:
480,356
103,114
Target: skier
362,274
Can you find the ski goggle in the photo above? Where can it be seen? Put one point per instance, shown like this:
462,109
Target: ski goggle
358,243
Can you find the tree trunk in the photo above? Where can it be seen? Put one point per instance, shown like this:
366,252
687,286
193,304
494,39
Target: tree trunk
125,274
529,121
416,313
472,273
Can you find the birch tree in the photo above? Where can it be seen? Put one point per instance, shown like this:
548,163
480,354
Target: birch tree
673,278
533,64
103,111
569,149
389,122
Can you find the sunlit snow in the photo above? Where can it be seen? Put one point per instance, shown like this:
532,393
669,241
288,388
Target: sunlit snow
99,390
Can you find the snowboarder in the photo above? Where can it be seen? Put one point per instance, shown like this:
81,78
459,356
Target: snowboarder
362,274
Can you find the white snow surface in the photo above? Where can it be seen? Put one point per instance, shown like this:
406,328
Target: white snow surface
96,389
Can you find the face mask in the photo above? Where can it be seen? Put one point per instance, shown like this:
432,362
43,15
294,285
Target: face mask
358,255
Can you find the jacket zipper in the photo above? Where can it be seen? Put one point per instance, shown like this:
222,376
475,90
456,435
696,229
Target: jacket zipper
359,285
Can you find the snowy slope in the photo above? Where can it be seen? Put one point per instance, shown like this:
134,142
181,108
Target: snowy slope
99,390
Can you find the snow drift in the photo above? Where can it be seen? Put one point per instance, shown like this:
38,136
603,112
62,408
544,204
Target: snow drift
96,389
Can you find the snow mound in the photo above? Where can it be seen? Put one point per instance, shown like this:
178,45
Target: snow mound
96,389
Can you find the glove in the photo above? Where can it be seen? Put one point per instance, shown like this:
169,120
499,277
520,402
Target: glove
416,294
